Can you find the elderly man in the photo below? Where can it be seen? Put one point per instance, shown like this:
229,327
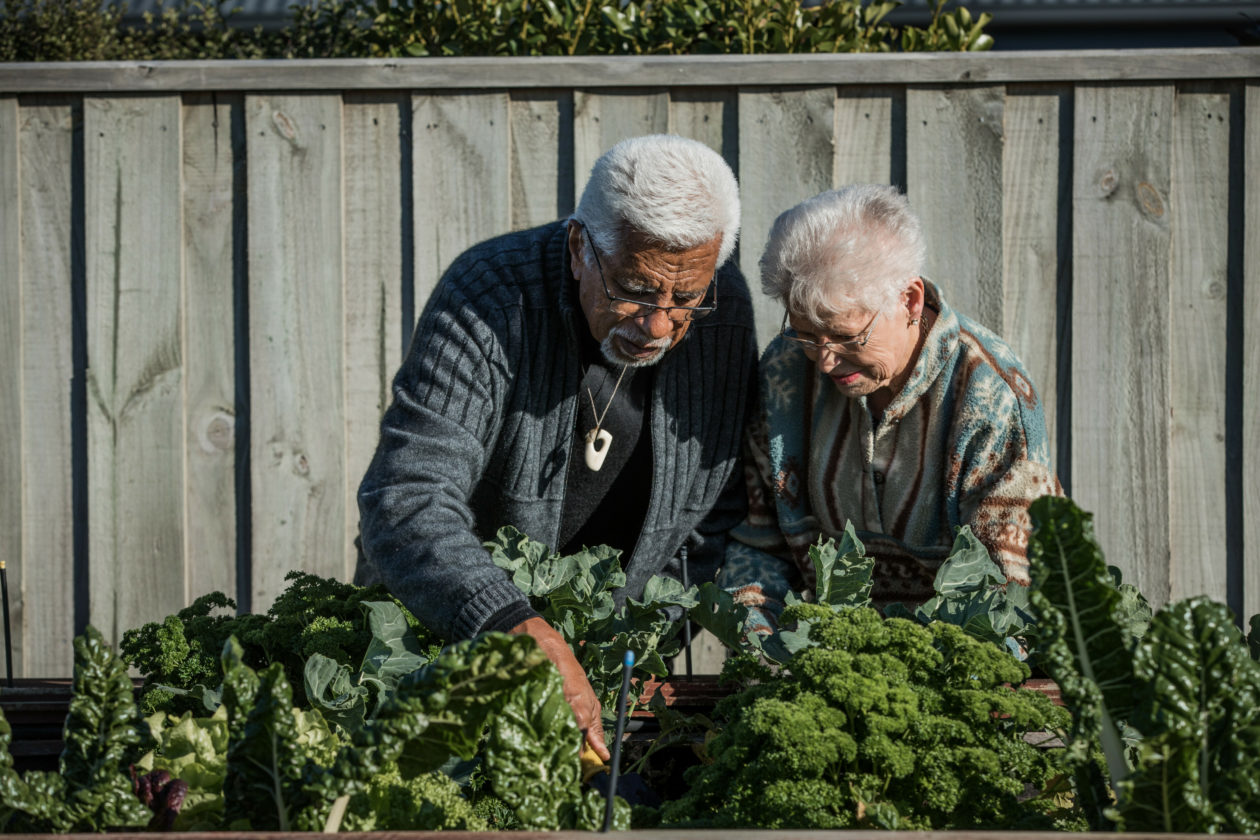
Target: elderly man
882,406
587,382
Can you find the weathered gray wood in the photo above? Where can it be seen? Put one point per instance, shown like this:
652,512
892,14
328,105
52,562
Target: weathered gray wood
11,358
1030,251
621,71
135,380
954,182
710,116
541,157
210,165
864,118
461,181
1120,325
373,282
601,120
41,579
1251,356
786,155
297,426
1199,297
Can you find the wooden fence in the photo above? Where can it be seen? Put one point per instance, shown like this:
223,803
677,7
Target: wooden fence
208,273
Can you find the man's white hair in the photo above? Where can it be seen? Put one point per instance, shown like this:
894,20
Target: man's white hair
675,191
855,248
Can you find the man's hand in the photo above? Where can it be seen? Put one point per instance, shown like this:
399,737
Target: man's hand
577,689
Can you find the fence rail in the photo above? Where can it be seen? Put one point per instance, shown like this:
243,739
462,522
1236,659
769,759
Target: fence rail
209,271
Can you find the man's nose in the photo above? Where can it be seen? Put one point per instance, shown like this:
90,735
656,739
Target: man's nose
655,323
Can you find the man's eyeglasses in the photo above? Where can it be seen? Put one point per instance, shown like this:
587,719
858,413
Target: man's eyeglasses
629,306
846,345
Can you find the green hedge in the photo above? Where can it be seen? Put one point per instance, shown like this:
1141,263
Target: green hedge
87,30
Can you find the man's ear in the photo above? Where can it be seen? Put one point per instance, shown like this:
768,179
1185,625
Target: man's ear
575,246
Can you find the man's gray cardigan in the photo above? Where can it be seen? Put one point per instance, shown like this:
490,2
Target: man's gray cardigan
480,433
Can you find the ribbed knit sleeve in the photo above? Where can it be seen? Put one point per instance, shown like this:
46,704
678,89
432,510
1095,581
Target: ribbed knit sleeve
417,524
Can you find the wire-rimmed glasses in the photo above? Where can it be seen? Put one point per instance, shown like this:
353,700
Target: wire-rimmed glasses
844,345
634,306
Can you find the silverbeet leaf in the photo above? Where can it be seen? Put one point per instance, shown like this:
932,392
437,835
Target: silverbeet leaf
103,735
1199,713
1084,647
532,758
442,709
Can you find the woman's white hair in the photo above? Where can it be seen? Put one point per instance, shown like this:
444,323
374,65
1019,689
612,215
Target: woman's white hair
675,191
855,248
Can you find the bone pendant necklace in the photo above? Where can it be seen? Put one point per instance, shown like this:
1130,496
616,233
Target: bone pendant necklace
598,440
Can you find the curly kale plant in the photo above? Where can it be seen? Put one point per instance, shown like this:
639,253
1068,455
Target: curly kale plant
971,593
1189,686
880,723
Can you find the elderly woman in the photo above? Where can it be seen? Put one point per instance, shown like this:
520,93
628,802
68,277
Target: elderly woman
883,407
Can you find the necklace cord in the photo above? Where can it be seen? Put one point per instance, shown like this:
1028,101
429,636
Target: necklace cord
599,418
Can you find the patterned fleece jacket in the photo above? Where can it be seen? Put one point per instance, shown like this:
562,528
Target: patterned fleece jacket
964,443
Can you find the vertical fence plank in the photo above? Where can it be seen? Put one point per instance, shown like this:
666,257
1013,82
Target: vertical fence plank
786,155
864,118
541,157
710,116
11,358
210,161
1030,232
297,427
1251,353
460,176
371,132
601,120
954,182
43,614
1120,323
135,383
1199,309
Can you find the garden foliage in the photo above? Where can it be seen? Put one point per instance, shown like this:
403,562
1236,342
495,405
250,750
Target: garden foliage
877,723
575,594
318,629
89,30
1186,686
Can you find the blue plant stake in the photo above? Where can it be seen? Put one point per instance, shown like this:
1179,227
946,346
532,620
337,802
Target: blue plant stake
614,771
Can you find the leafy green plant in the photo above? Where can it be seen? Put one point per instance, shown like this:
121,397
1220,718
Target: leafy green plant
954,31
575,594
878,723
74,30
971,593
179,657
103,736
1188,686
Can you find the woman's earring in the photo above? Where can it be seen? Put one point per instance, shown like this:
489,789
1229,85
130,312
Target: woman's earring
914,321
